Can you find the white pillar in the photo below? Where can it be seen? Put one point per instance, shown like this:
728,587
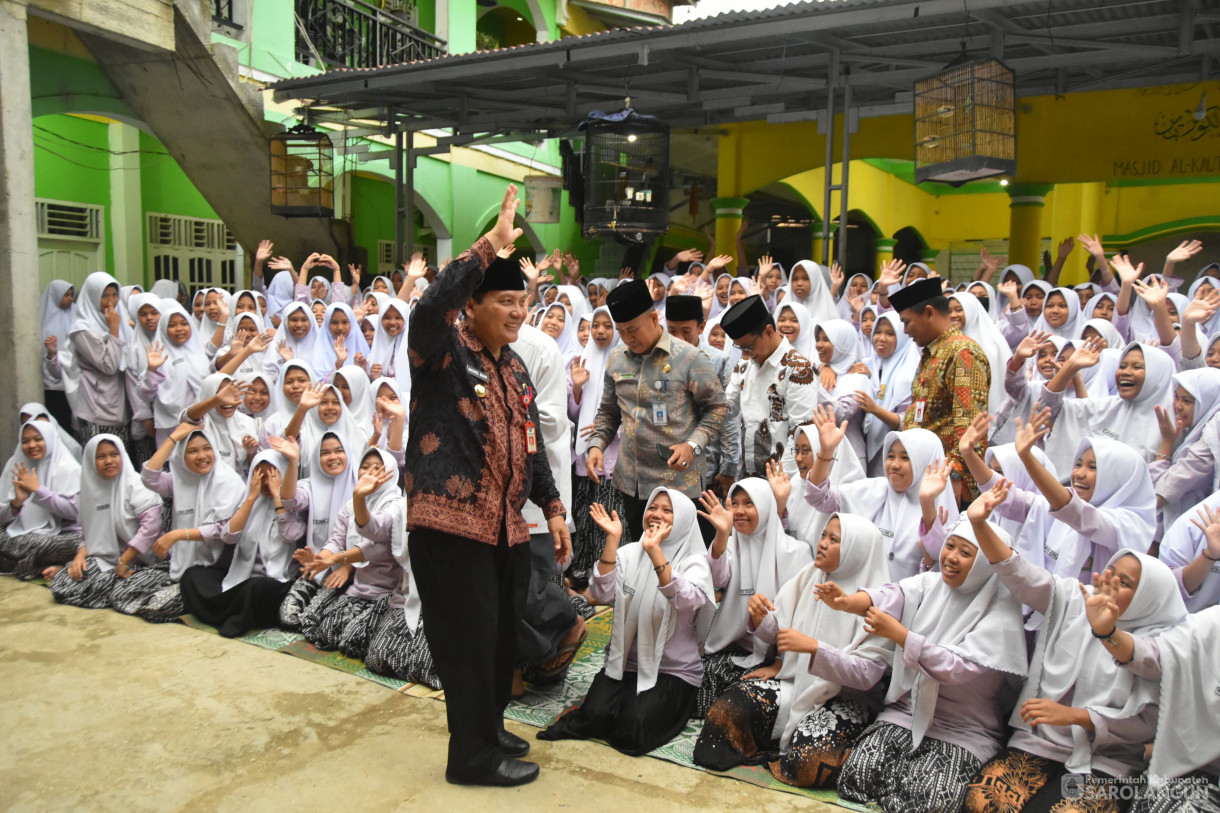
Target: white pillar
444,248
20,326
126,204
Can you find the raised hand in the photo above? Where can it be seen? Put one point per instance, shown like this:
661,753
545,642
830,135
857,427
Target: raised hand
288,447
580,373
653,536
312,397
504,232
183,431
372,480
975,433
285,351
356,271
781,485
1152,291
716,512
1092,244
689,255
609,523
1170,427
232,393
1208,522
1100,608
987,502
1124,270
718,262
263,252
1028,347
1065,248
891,273
25,479
1200,309
837,278
529,271
1031,431
626,272
935,478
830,434
156,355
281,264
1012,291
573,265
340,350
990,262
1185,250
1087,354
390,408
375,372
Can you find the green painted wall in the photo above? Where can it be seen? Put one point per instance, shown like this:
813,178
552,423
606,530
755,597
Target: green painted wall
72,163
164,187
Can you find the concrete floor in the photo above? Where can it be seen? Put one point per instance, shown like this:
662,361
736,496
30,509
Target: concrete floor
106,712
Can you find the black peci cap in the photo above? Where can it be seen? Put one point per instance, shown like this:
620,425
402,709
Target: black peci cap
501,275
746,316
629,300
684,309
917,293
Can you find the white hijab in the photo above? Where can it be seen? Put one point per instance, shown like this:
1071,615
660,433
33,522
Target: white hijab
110,509
804,521
1071,327
261,538
804,343
381,501
897,514
57,471
718,308
185,367
391,351
595,359
225,434
759,562
56,320
568,345
1123,491
1183,543
891,378
1014,470
862,564
643,617
136,351
982,328
820,303
87,316
1131,422
345,426
280,293
1188,726
979,621
200,500
353,342
843,338
255,362
39,412
362,405
327,493
304,349
1069,658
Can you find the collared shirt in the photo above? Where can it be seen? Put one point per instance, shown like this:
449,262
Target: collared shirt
667,396
772,399
468,468
723,455
953,381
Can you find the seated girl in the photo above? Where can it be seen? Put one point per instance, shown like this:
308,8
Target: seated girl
362,536
205,494
321,411
750,554
233,433
246,587
801,519
661,590
912,518
962,657
121,518
321,496
803,707
39,512
1079,713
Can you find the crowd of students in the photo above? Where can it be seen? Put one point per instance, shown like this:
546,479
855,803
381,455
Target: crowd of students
925,625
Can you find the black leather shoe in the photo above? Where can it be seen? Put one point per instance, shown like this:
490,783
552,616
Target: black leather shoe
511,745
510,773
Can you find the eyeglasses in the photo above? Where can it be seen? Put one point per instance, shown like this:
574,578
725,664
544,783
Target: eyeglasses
746,348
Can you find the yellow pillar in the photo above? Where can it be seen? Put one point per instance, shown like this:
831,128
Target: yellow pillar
885,252
728,223
1092,198
1025,223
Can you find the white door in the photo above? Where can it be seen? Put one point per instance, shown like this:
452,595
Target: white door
66,260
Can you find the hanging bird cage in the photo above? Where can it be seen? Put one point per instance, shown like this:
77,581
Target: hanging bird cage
302,173
965,122
626,176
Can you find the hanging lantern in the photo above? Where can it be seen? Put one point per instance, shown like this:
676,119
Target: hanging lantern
965,122
626,176
302,173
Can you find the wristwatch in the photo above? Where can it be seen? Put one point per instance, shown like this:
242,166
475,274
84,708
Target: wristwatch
695,447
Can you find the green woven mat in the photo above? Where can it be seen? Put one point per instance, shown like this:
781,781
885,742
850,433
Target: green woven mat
540,706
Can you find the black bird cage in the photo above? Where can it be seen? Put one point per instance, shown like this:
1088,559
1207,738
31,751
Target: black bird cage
626,176
302,173
965,122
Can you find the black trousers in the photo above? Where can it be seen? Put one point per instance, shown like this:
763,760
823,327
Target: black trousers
547,614
57,404
633,519
472,595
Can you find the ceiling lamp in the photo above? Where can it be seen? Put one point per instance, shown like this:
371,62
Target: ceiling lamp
965,122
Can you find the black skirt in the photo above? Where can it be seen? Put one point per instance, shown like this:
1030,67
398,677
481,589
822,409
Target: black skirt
255,603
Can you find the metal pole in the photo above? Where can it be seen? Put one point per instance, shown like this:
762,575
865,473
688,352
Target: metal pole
409,208
398,182
829,167
844,172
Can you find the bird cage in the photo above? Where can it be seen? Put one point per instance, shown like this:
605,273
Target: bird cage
302,173
626,176
965,122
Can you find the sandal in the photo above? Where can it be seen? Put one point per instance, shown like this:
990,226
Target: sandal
566,655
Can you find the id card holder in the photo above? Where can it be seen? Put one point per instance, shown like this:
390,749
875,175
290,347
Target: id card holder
881,391
531,438
660,415
920,406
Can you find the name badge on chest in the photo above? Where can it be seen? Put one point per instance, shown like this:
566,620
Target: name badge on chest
660,415
475,372
920,406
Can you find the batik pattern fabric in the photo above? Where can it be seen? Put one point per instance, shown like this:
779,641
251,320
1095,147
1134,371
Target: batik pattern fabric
149,593
737,727
396,651
326,619
719,673
589,540
27,555
885,769
822,742
953,381
299,596
1194,793
92,592
1016,781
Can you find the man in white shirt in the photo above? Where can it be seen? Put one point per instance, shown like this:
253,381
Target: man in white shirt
773,390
